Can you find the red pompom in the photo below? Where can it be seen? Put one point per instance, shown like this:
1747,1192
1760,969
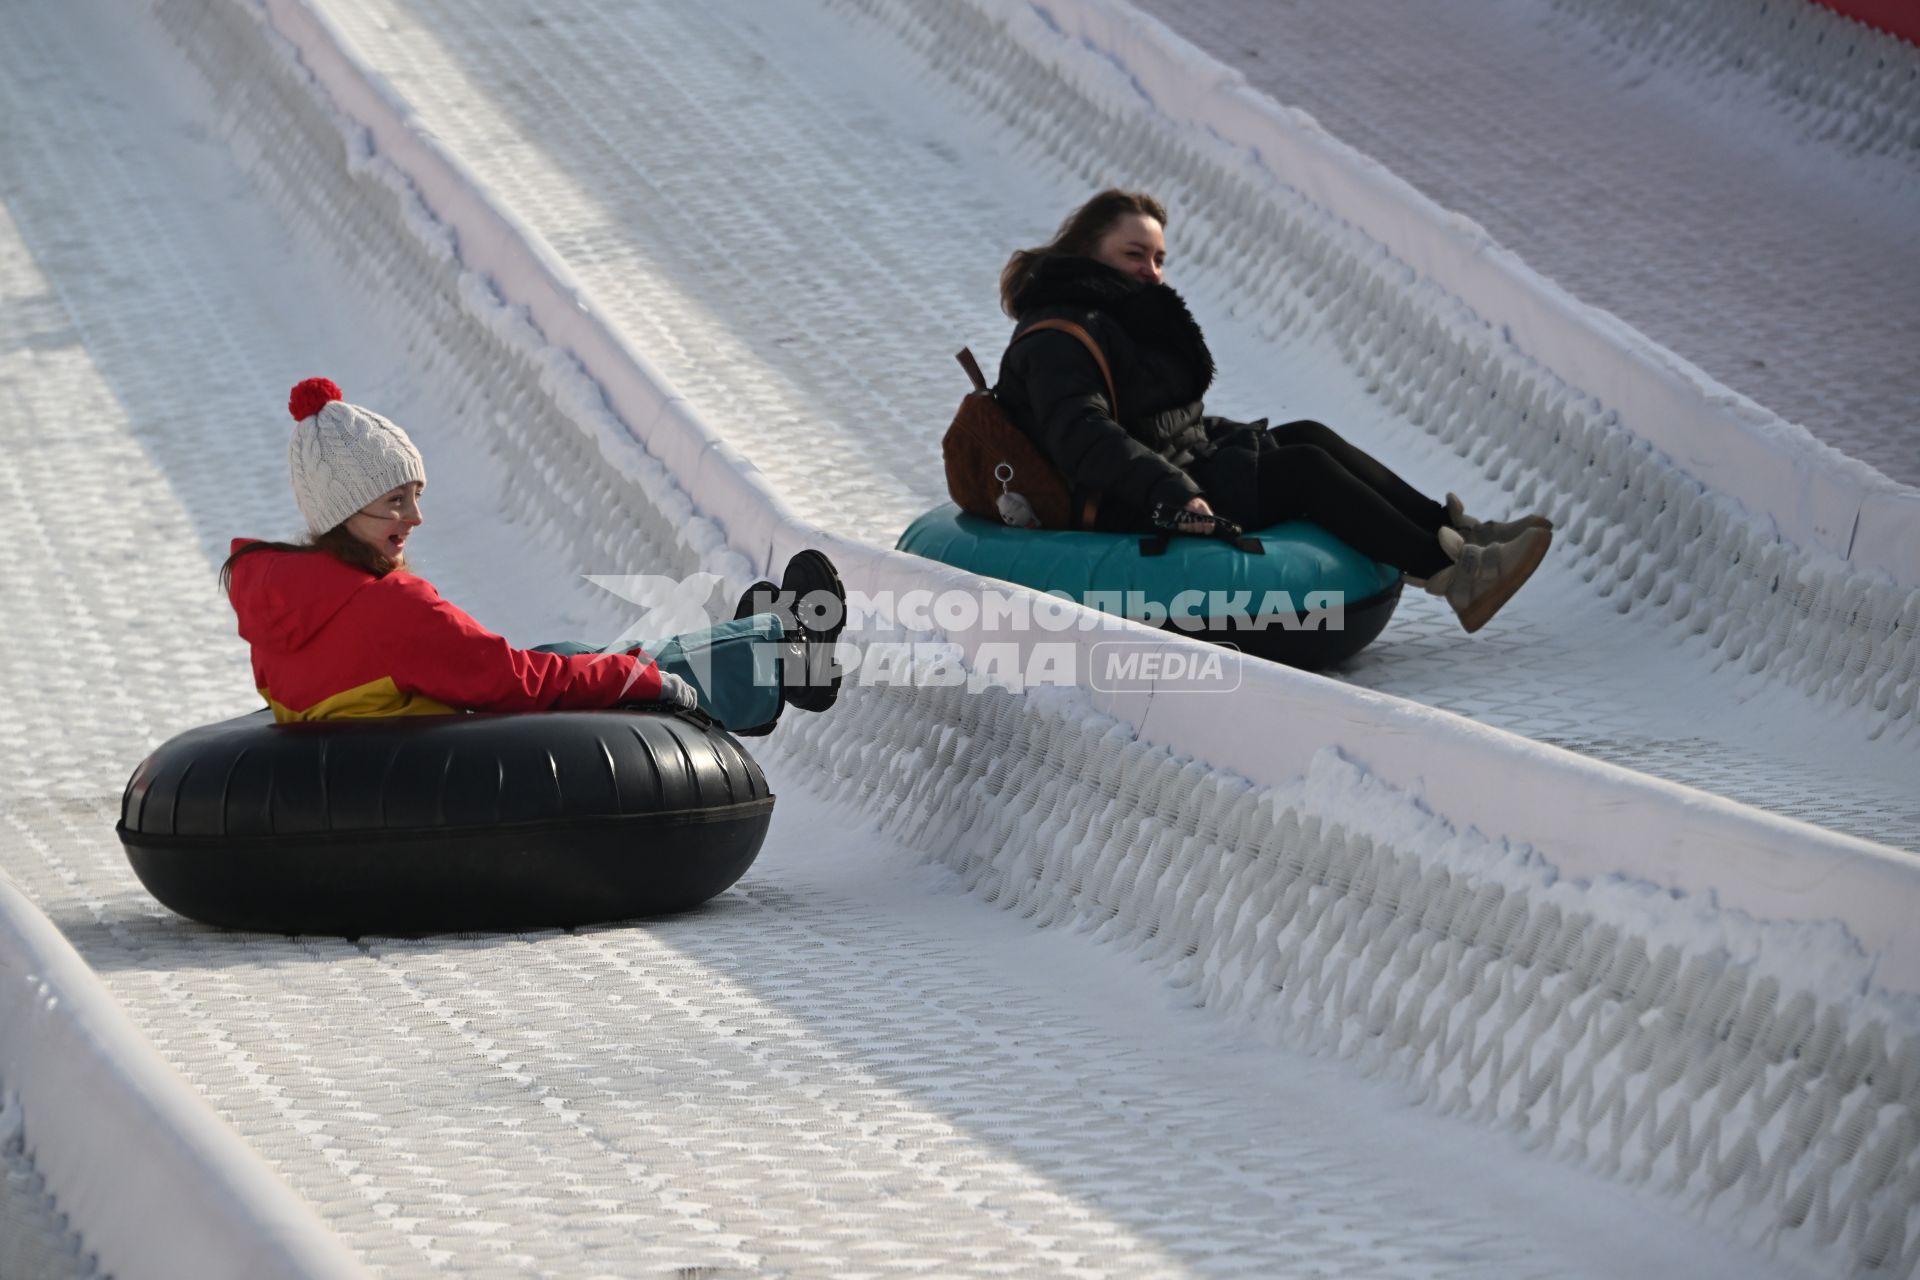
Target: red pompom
311,396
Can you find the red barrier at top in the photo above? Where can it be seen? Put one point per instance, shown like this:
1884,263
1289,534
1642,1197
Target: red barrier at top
1901,17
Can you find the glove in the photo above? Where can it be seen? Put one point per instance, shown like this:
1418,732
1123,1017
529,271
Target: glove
1180,520
677,694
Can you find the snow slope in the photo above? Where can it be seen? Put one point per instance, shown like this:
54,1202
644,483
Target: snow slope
836,319
938,1086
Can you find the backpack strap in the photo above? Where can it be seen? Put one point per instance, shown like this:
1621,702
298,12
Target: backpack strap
1090,511
1093,349
972,366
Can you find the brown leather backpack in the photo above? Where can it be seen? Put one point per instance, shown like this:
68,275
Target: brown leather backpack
992,465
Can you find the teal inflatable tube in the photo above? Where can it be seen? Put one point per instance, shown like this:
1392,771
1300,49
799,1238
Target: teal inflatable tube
1304,597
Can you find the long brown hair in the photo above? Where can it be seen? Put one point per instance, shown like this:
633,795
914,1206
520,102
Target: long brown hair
1078,237
337,542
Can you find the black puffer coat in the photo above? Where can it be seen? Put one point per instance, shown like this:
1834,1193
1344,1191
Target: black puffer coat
1052,389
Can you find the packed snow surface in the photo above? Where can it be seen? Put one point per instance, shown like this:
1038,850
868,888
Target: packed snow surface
849,1064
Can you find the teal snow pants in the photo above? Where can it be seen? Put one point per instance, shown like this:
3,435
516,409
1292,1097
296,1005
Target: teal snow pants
733,666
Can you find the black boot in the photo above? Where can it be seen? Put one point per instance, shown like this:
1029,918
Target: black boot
817,613
761,597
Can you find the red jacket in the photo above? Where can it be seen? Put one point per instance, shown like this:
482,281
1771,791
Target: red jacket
331,641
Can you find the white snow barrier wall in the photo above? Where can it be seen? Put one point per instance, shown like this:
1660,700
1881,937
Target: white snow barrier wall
109,1162
1641,978
35,1239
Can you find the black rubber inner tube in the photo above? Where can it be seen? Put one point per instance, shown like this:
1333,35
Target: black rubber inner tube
450,823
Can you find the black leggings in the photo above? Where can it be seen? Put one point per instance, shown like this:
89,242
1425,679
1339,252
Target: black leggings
1314,475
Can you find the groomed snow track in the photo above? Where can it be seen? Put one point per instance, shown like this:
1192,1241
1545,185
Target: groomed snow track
1589,978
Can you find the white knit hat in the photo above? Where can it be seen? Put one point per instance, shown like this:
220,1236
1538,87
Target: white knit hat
341,456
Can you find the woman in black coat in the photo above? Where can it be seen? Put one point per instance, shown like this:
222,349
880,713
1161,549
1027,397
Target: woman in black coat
1167,464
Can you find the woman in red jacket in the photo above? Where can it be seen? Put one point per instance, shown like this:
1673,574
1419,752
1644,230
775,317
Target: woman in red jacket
339,628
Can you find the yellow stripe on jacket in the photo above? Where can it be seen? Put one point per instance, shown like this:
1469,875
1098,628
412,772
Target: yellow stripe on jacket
376,698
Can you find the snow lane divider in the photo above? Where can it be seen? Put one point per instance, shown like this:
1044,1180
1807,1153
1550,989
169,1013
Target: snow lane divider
153,1181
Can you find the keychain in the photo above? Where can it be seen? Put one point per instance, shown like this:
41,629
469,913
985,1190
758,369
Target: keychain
1014,509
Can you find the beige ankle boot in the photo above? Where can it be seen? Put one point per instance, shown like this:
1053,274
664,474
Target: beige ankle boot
1481,579
1485,533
